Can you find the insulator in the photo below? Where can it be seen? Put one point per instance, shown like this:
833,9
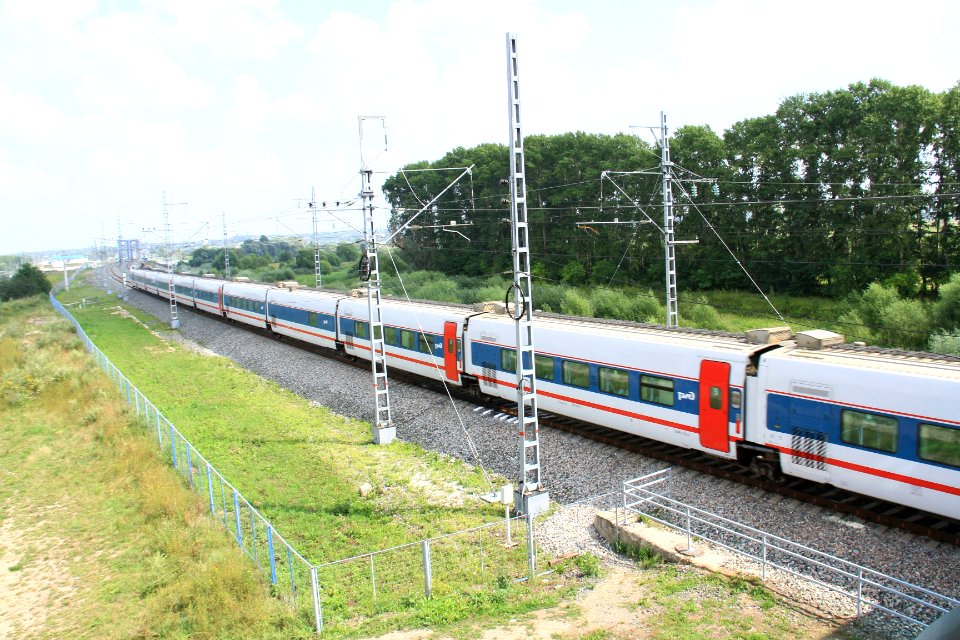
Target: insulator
716,189
693,190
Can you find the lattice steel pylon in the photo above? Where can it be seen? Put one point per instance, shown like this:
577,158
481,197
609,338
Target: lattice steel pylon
383,430
226,252
316,244
531,497
174,315
669,241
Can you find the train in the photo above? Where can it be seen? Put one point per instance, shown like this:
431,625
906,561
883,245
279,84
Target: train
878,422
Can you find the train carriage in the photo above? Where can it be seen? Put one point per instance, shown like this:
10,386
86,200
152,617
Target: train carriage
183,290
208,295
685,388
424,339
246,302
302,314
876,423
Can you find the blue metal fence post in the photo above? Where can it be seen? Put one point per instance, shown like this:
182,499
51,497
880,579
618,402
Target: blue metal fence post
173,446
126,385
253,535
236,516
210,489
189,465
273,561
159,432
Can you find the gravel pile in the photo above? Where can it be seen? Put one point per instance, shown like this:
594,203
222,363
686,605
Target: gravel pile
573,468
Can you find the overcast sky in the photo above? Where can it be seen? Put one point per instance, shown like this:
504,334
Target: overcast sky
242,106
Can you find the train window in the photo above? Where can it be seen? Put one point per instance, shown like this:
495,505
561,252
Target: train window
716,398
361,330
615,381
426,343
391,335
508,360
869,430
311,318
407,339
735,396
940,444
657,390
544,367
576,374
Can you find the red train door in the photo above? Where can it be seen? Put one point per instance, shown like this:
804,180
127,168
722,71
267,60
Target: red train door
714,412
450,350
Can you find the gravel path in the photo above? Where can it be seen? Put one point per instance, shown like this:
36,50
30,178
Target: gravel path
574,468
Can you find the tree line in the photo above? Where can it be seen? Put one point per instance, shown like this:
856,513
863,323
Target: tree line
832,192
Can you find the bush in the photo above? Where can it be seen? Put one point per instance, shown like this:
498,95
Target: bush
611,304
549,297
646,308
27,281
904,323
945,343
947,308
702,315
589,565
573,273
575,304
874,300
348,252
441,291
276,275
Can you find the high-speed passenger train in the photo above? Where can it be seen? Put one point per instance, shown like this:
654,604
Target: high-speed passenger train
878,422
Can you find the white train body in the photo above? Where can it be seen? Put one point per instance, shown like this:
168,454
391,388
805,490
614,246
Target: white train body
881,424
876,422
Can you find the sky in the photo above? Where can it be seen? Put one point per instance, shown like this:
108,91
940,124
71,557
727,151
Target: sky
237,109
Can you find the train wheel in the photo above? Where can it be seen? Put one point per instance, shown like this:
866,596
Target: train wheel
765,468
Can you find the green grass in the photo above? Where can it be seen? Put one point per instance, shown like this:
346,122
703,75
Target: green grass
688,604
101,525
302,465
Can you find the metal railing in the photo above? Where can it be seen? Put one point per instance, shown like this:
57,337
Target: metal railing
490,555
870,589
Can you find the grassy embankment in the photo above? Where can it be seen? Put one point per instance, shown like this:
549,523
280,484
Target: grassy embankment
302,466
99,537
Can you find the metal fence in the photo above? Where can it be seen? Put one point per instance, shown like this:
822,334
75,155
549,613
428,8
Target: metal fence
869,589
482,558
494,554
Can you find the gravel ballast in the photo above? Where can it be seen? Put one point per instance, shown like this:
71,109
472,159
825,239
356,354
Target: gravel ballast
573,468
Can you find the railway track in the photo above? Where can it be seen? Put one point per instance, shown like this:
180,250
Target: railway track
887,514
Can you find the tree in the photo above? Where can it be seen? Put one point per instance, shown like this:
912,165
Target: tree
27,281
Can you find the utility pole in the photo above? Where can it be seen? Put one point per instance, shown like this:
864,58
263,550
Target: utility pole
316,245
530,498
119,244
226,252
383,430
670,252
174,315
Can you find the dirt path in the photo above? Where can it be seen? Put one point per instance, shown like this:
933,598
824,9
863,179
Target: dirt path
620,607
34,582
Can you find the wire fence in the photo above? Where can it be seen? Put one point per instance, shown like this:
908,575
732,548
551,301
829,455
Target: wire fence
650,496
483,557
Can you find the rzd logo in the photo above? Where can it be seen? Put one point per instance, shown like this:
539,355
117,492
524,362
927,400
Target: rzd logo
688,395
